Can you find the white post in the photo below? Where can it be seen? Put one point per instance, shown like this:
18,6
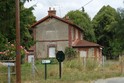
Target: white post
8,73
33,67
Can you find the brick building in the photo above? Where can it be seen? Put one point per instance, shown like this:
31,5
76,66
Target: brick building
53,33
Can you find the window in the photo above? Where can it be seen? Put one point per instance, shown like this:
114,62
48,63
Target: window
83,54
91,52
52,52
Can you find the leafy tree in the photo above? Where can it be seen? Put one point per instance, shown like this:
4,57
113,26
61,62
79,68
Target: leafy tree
27,19
82,19
3,41
120,29
104,24
7,22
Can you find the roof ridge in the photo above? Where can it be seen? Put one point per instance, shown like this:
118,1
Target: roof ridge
61,19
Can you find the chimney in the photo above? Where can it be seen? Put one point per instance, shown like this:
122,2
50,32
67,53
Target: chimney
67,18
51,12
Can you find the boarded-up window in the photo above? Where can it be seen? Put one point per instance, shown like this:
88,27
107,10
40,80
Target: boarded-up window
91,52
52,52
83,53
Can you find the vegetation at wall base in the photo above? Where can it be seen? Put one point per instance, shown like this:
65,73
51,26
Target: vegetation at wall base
70,53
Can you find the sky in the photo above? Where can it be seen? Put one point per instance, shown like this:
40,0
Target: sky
62,7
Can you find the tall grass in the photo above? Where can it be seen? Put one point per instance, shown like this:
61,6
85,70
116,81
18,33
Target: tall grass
73,71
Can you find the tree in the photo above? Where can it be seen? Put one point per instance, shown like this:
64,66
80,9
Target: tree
7,22
104,25
82,19
3,41
120,30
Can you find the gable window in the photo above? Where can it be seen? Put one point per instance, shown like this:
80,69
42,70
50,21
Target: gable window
52,52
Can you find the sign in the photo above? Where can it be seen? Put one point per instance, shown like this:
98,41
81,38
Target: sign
45,61
8,64
60,56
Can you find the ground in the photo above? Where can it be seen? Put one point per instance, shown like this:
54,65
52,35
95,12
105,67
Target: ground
111,80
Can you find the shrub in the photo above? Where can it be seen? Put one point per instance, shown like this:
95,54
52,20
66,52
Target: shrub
10,52
70,53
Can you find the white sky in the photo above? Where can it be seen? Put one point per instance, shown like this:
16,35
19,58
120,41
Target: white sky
64,6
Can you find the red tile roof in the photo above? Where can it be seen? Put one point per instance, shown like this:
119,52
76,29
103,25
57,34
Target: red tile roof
56,17
84,43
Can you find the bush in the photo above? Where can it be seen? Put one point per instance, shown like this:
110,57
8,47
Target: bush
10,52
70,53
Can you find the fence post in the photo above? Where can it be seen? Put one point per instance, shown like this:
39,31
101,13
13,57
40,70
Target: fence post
103,61
33,68
121,61
9,74
84,61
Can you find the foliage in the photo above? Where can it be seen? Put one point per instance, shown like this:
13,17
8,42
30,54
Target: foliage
7,22
105,29
53,60
120,29
70,53
2,42
75,64
10,52
82,19
91,64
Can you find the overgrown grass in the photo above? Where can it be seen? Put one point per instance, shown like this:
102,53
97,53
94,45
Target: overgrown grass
73,71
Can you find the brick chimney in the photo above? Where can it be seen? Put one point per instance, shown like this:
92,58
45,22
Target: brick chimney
67,18
51,12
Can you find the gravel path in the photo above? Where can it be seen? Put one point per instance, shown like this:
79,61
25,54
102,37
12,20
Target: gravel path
111,80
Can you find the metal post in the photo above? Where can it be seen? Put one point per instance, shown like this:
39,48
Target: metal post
9,74
60,70
45,71
18,56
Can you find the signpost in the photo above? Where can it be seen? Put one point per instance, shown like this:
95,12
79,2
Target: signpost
60,56
45,62
9,65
